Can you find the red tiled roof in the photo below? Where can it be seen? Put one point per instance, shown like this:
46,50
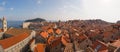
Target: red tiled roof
44,34
40,48
116,43
82,37
45,27
64,40
99,46
1,30
67,35
114,30
13,40
58,31
116,25
106,34
15,31
50,30
92,34
64,31
50,39
55,42
69,48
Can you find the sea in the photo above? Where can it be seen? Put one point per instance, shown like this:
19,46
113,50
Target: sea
15,24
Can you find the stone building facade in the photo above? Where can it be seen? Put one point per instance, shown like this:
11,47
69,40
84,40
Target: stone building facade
26,24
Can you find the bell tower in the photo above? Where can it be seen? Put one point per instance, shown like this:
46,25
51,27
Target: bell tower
4,24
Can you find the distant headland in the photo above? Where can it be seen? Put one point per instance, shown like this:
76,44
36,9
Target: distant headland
35,20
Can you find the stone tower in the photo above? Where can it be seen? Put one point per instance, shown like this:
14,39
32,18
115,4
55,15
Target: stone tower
4,24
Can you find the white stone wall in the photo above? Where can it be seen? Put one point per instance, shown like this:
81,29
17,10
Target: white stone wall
1,49
32,46
18,47
26,24
1,34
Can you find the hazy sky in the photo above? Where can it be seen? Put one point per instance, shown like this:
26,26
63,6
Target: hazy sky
108,10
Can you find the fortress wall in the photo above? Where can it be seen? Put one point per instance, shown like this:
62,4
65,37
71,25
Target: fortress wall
20,45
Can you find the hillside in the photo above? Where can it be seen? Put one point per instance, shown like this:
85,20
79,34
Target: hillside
35,20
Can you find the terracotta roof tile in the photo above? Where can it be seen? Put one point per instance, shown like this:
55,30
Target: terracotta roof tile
15,31
69,47
45,27
99,46
65,40
44,34
116,25
13,40
58,31
55,42
1,30
40,48
50,39
82,37
116,43
67,35
106,34
64,31
50,30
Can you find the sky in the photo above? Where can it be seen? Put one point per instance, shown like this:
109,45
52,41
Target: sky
108,10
